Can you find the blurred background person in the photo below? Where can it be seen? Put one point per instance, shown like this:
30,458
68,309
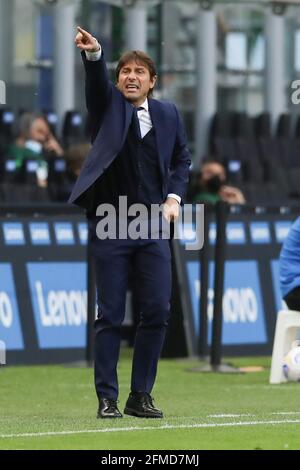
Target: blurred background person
210,186
35,142
289,267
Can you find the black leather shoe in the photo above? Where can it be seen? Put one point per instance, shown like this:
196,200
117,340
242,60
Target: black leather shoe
108,409
140,404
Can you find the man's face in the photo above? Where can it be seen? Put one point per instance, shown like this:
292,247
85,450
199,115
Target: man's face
39,131
135,82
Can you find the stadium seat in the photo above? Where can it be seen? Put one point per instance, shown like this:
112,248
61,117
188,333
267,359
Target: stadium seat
223,149
221,144
234,170
56,178
219,126
267,193
241,126
248,153
297,128
274,171
52,120
28,171
262,125
284,126
289,146
13,193
287,331
8,171
72,131
7,122
293,179
236,147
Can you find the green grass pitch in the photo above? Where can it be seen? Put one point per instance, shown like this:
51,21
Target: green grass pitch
54,407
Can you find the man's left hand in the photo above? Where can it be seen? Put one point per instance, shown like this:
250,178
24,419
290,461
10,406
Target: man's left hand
171,209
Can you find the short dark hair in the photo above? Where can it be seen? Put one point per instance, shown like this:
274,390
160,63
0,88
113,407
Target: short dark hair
138,57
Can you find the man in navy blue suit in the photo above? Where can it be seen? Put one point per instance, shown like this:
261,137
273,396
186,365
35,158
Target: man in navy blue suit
139,152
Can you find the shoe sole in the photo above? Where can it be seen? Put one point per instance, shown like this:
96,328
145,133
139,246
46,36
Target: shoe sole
131,412
109,417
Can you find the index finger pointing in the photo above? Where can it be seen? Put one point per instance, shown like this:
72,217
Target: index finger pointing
82,31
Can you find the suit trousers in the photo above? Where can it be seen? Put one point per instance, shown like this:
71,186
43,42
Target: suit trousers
150,260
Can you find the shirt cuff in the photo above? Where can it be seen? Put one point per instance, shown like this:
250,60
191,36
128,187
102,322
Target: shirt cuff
174,196
94,56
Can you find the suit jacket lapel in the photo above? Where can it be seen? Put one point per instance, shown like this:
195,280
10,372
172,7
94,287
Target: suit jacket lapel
160,131
128,118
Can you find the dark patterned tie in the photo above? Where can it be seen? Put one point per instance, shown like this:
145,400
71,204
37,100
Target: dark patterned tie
136,122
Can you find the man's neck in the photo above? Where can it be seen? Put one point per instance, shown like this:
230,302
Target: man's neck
139,103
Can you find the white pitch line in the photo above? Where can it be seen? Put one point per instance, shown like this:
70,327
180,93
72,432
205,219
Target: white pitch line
230,415
250,415
151,428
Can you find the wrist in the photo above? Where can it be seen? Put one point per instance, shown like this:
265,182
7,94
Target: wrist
97,46
172,199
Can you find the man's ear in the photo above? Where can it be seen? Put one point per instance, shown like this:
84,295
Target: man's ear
153,80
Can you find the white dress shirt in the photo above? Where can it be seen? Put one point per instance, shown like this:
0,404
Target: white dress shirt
144,118
143,114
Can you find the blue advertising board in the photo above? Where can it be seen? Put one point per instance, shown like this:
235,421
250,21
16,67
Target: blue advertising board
13,233
243,313
39,233
251,297
43,291
59,300
10,326
43,284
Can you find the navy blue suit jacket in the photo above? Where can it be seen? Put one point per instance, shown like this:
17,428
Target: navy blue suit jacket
111,116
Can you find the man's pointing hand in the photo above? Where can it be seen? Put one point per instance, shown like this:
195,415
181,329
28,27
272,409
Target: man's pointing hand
85,41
